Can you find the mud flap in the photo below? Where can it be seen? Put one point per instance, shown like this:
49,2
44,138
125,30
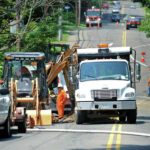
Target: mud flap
44,119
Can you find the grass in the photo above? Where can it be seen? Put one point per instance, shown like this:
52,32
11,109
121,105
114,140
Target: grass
67,28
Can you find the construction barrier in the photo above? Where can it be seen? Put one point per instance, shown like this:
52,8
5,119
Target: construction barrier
98,25
117,24
89,25
143,54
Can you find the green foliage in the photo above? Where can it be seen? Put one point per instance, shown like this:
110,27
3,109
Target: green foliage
145,24
43,34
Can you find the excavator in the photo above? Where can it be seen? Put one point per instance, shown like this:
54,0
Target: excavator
63,61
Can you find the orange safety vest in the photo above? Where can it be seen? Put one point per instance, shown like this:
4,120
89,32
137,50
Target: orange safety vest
61,100
148,81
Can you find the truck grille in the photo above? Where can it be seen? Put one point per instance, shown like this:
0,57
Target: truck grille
104,94
93,18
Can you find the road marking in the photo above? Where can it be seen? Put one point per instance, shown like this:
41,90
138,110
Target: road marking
124,37
38,129
118,142
111,137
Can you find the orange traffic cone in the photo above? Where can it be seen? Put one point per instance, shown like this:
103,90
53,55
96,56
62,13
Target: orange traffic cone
142,59
117,24
98,25
89,25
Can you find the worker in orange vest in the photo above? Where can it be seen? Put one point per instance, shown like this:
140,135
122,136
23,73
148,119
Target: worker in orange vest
148,86
61,100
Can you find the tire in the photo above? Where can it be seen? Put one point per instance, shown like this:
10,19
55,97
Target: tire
7,128
87,25
122,118
79,117
131,116
22,126
101,24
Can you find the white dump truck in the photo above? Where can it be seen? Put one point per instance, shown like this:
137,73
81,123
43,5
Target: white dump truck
106,83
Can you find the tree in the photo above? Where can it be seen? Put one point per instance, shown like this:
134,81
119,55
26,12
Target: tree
145,24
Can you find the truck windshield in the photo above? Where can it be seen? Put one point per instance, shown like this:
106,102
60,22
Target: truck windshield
93,13
104,71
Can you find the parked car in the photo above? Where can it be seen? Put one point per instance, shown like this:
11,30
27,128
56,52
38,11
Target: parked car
132,22
115,10
133,6
105,6
5,112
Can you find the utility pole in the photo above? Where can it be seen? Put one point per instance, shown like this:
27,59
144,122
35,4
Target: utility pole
60,23
18,42
79,12
76,11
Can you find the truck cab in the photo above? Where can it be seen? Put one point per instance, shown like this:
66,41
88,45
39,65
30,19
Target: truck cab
93,16
106,83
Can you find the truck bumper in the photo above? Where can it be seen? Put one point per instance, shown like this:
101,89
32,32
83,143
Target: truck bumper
93,22
115,105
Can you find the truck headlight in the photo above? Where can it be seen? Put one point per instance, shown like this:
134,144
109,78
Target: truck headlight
130,94
81,96
87,19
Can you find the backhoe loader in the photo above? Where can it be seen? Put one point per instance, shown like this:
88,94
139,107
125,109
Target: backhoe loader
25,75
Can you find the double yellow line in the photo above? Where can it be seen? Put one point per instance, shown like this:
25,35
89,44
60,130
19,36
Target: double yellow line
124,36
111,138
112,135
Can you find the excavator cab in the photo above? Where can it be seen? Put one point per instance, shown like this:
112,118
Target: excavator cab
25,75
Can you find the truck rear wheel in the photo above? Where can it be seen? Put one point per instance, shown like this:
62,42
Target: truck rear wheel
122,118
79,116
7,129
131,116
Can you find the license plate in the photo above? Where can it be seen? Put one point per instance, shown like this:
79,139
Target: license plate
105,105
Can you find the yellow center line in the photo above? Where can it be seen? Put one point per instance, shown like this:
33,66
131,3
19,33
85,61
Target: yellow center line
111,137
124,37
118,142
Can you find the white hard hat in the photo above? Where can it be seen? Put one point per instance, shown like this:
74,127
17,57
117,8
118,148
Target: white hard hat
60,85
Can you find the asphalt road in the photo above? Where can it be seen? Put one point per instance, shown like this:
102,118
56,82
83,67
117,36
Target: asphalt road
135,136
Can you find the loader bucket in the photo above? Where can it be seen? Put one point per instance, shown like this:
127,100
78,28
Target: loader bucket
44,119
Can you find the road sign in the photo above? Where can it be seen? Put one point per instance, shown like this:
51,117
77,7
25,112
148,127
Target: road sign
67,7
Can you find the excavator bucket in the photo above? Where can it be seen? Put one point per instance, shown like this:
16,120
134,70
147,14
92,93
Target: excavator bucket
44,118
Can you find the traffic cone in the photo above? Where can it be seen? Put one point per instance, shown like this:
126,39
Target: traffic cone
98,25
117,24
142,59
89,25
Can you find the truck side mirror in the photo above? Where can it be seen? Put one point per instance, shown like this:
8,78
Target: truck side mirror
85,14
138,71
77,76
4,91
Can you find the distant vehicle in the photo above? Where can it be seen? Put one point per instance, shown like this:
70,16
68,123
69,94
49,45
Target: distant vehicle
93,16
132,22
5,112
118,5
105,6
133,6
115,10
115,17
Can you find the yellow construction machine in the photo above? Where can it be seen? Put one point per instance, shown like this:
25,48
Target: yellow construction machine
25,76
64,61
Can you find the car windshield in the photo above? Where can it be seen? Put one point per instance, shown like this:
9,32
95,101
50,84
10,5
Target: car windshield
93,13
104,71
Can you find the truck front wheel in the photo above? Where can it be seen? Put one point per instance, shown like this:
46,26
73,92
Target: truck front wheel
131,116
79,116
